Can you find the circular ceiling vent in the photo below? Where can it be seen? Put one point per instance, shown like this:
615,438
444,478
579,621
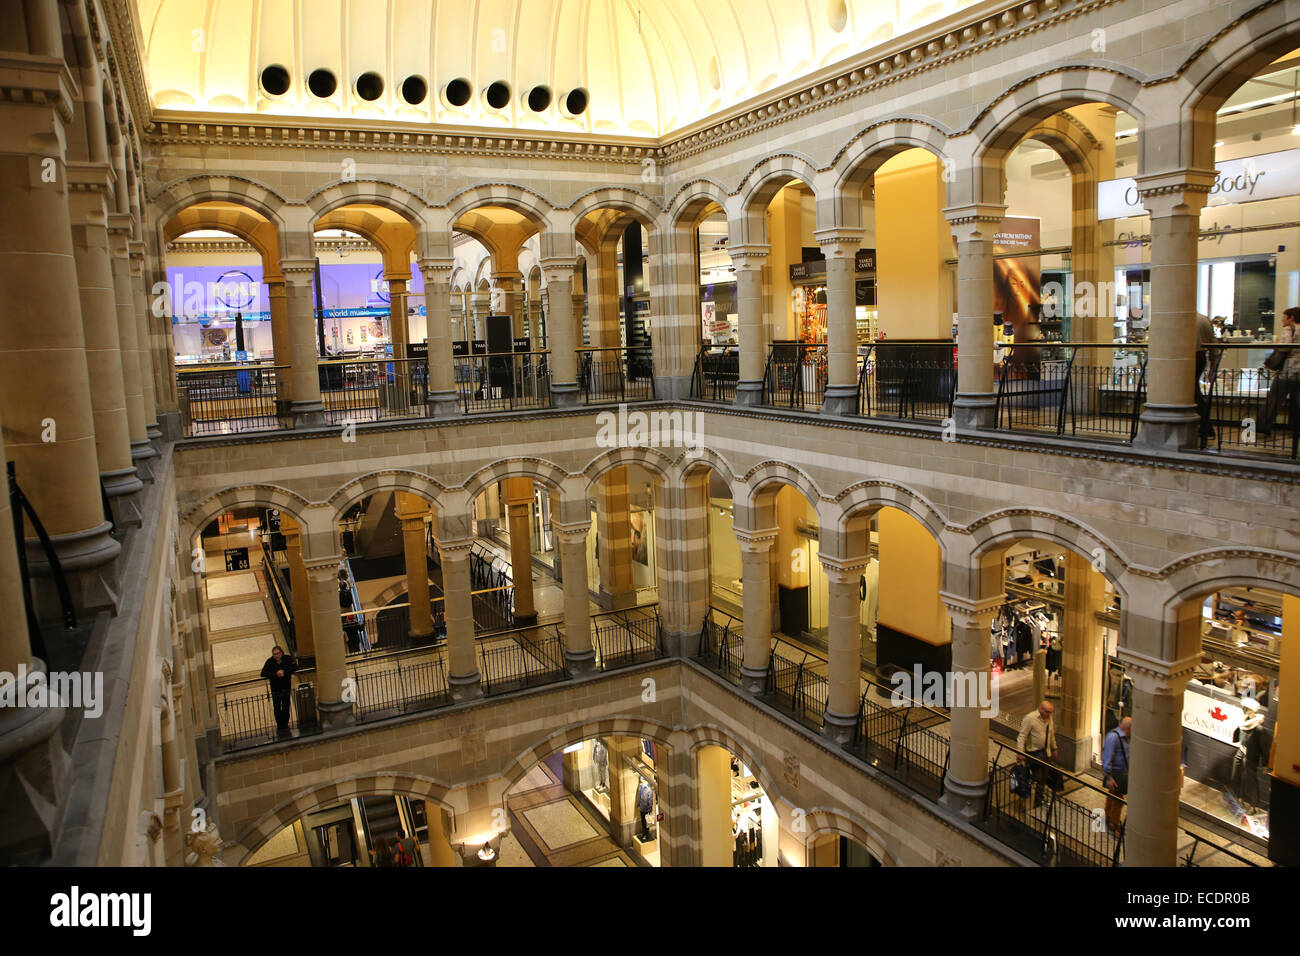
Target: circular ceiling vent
414,90
539,98
575,102
457,92
370,86
275,80
322,84
497,95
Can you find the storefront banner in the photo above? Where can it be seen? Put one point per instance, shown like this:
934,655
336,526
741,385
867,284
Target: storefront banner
1251,179
1206,715
1017,282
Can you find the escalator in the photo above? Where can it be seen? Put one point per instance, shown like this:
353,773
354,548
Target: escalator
383,817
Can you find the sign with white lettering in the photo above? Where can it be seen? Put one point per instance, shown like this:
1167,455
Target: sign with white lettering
1254,178
1211,716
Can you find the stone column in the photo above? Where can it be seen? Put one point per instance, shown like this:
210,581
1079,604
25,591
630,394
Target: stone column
1169,420
117,472
281,345
844,649
173,782
305,409
713,769
974,227
613,529
840,246
299,589
462,652
44,381
519,517
563,332
119,232
411,511
444,402
972,704
144,341
756,584
1155,756
623,781
603,295
333,704
399,331
1081,650
682,558
572,541
748,261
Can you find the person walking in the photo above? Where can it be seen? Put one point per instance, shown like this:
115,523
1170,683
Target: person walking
278,671
1205,339
1286,378
381,855
1038,739
405,850
1114,769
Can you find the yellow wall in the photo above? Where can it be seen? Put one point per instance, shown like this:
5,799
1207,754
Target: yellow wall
914,287
1286,748
785,235
911,574
791,568
716,845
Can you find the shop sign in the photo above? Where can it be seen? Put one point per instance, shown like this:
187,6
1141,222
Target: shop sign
1207,715
864,260
807,270
1251,179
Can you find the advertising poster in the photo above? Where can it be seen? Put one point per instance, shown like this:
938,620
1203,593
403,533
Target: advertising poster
1017,282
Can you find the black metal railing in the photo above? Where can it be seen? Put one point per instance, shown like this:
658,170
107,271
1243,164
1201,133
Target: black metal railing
795,376
19,507
901,739
502,382
1092,391
365,390
529,659
1247,408
220,400
608,375
797,689
717,370
722,647
624,638
494,595
246,713
401,688
912,381
278,591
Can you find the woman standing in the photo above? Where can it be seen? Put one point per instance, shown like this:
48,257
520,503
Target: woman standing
1286,380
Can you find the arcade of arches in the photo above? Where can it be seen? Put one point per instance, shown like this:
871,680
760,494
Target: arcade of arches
735,481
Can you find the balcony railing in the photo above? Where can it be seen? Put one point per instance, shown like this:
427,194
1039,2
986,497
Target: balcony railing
529,657
373,390
911,381
624,638
1247,409
721,648
795,376
797,689
503,382
1090,391
717,370
607,375
228,399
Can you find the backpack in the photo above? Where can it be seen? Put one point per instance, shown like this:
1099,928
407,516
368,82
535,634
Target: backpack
400,856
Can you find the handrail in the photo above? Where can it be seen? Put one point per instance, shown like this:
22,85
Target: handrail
19,505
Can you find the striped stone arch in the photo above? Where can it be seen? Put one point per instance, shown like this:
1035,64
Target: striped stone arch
1200,574
178,194
869,149
243,222
1005,527
374,192
538,469
689,202
823,820
531,205
250,839
650,458
758,480
244,496
394,241
1001,124
711,735
576,733
1216,69
761,184
631,202
1069,138
703,457
857,501
411,482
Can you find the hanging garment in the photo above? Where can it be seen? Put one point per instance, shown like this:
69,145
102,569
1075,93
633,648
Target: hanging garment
644,798
1054,656
1025,641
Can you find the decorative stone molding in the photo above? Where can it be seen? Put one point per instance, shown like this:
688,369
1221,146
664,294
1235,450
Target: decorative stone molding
968,614
1153,676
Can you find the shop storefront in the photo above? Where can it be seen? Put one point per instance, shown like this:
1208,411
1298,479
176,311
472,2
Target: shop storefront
615,774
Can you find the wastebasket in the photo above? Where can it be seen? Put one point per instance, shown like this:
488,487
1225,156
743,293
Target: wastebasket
305,701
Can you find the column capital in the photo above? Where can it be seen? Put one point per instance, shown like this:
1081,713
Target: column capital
750,255
843,572
974,220
392,277
297,271
1180,192
756,542
839,242
1159,678
966,613
37,81
86,177
571,533
431,267
455,549
558,270
316,567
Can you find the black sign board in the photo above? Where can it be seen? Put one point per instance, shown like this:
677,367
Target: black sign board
417,350
479,347
236,559
459,348
864,260
807,270
273,519
523,344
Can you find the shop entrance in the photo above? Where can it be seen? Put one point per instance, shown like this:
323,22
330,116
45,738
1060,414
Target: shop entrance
738,823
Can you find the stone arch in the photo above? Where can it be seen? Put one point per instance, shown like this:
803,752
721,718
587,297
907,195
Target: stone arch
650,458
855,503
576,733
243,222
766,473
1002,528
1197,575
628,201
705,458
373,192
244,496
822,820
711,735
538,469
1002,123
178,194
690,200
761,184
248,841
531,205
869,149
1215,70
360,488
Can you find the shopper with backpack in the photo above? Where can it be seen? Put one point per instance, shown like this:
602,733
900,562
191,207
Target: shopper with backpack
1114,768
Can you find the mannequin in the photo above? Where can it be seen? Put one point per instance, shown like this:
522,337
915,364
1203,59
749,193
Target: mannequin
1245,762
644,805
600,757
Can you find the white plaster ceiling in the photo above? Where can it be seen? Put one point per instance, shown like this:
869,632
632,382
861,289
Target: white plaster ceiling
649,66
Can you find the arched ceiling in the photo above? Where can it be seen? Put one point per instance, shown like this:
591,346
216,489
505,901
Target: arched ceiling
649,66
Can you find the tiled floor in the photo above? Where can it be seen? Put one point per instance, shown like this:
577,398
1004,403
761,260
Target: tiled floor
551,827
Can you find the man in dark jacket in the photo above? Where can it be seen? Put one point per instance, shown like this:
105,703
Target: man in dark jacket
278,670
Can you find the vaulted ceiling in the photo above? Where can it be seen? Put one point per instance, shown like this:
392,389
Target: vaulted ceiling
647,67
